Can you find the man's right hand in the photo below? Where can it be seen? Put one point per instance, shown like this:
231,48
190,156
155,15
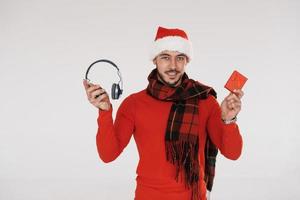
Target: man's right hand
97,95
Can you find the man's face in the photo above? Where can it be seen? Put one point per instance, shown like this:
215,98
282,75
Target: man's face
171,66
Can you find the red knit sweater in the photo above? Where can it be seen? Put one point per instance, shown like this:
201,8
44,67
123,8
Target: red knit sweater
145,118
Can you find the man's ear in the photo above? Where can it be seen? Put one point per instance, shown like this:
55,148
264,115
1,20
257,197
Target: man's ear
154,61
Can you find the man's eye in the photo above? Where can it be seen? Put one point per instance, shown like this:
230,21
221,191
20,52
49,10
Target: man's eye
165,58
181,58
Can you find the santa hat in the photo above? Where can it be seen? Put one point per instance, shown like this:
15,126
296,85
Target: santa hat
172,40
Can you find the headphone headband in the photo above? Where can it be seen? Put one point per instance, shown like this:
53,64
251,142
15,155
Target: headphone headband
97,61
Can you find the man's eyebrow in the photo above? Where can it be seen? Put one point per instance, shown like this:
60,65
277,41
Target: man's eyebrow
182,54
164,54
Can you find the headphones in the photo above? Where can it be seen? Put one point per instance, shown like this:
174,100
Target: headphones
116,90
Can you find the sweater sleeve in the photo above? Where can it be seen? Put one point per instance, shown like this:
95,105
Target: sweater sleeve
113,137
226,137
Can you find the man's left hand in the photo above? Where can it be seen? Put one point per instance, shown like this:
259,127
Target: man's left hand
231,105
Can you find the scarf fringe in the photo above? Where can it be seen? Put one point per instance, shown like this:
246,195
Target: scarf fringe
183,154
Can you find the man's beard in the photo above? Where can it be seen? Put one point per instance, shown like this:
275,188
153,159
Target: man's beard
169,84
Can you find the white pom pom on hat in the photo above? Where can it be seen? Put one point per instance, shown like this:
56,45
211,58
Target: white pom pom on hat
171,40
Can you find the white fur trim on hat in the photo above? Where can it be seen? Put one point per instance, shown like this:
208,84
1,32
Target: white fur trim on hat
171,43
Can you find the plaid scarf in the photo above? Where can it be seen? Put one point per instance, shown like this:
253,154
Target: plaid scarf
181,137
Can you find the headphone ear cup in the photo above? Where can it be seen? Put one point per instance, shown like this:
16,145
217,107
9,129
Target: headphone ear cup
120,91
115,91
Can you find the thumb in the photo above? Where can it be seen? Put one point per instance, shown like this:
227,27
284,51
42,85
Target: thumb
85,84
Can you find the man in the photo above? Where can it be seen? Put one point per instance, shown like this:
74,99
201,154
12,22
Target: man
177,124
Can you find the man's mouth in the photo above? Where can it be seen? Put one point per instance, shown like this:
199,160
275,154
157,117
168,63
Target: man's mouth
171,74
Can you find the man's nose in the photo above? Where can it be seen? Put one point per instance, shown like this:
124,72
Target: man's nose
173,63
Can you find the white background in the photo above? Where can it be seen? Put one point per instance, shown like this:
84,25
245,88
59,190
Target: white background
48,128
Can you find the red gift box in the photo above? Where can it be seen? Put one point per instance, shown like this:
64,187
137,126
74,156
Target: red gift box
235,81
